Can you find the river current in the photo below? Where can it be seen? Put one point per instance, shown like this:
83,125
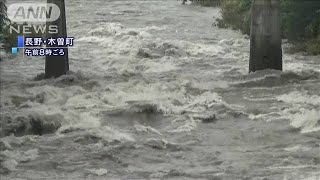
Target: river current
157,92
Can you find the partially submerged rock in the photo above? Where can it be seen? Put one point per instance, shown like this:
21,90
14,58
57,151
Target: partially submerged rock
34,124
163,144
45,124
210,118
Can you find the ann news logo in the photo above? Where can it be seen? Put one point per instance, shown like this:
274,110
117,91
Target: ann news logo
32,18
31,26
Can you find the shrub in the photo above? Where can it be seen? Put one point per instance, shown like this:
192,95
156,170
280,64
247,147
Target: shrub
235,15
211,3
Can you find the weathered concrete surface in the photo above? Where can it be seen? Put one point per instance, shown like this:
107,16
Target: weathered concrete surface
265,46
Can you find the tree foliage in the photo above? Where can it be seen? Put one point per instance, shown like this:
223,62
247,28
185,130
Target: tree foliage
3,15
300,20
235,14
8,39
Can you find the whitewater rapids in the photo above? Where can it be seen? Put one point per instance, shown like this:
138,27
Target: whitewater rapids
156,92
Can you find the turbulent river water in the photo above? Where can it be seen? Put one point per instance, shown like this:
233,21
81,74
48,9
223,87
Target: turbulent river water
157,92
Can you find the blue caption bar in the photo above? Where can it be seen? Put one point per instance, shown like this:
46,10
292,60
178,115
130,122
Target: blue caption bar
20,41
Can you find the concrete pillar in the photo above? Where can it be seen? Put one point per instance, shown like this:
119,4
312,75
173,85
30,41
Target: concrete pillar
265,36
58,65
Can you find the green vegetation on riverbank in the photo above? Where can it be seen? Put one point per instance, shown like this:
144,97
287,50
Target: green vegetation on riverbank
3,18
8,39
300,21
207,2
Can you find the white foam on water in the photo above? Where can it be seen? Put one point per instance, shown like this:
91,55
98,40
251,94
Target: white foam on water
163,95
160,94
297,97
19,156
297,148
200,49
307,120
104,135
297,62
98,172
315,176
157,28
187,126
56,102
141,128
108,29
110,134
54,95
11,159
154,66
117,13
10,164
120,41
75,120
71,102
128,42
203,101
296,175
304,112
